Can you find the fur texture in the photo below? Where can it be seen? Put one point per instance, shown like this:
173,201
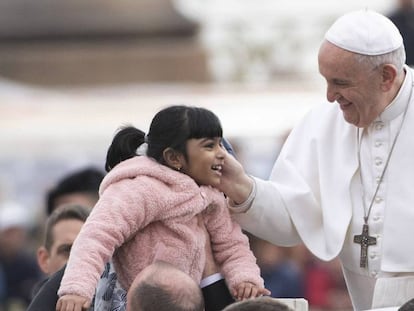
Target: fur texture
146,212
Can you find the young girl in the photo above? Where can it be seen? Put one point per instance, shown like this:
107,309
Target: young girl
150,206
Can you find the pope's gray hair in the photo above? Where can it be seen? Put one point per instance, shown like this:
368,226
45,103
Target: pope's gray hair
396,57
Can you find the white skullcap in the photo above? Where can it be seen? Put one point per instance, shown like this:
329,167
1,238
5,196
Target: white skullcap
365,32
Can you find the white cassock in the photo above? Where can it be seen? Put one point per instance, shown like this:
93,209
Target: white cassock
314,196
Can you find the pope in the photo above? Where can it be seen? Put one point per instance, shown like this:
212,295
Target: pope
342,182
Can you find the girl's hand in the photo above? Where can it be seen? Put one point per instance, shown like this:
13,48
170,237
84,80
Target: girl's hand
247,290
72,303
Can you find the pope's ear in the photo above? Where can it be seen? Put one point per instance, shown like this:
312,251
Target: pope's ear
43,259
389,74
173,158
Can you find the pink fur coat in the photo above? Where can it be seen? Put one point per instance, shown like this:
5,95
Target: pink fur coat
145,213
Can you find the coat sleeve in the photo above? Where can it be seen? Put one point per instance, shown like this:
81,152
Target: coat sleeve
230,246
114,219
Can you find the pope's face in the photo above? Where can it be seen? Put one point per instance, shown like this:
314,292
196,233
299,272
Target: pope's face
355,86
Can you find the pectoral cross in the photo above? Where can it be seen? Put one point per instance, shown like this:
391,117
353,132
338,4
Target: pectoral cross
365,240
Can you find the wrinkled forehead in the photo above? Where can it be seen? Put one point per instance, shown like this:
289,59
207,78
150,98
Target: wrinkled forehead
335,61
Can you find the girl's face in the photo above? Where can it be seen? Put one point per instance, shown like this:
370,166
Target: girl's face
205,160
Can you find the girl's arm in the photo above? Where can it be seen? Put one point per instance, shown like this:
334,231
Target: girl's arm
232,251
114,219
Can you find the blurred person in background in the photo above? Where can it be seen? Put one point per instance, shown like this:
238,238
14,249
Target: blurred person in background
403,18
295,273
323,283
78,187
163,287
61,230
2,287
18,264
282,275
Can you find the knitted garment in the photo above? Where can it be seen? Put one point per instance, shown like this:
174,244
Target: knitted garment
146,212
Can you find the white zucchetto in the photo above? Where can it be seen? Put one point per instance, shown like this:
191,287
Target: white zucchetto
365,32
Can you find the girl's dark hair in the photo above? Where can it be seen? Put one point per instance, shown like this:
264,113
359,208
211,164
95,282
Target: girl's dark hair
170,127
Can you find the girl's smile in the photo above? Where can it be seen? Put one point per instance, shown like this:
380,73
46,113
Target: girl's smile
205,159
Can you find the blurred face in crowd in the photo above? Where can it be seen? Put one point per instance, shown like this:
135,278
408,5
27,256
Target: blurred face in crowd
64,234
356,87
12,240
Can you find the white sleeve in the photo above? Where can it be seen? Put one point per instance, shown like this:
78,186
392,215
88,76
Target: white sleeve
210,279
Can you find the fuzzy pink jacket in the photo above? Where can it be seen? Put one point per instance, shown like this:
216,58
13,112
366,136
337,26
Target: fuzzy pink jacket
146,213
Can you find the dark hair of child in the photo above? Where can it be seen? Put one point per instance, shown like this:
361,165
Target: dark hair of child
170,128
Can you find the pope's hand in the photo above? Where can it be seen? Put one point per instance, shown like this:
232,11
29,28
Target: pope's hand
235,183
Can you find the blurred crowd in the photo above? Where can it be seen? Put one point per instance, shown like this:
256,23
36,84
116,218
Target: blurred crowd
31,250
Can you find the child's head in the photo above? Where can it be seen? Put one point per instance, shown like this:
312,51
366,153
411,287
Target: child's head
184,138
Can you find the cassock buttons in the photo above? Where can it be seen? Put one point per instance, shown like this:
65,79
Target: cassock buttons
379,126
